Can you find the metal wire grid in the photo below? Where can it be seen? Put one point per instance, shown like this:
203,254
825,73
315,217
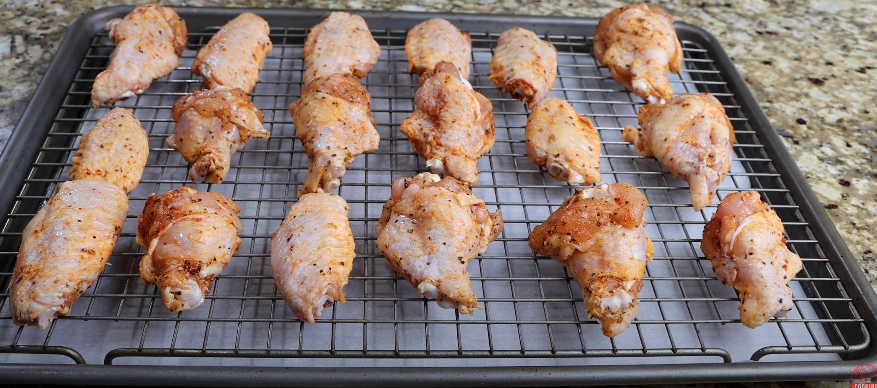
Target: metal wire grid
532,307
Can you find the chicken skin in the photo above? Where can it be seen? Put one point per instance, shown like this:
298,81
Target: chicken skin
639,46
599,235
692,137
429,230
189,237
437,40
312,254
523,65
64,249
211,125
149,42
334,122
452,125
115,150
745,243
564,142
234,56
341,44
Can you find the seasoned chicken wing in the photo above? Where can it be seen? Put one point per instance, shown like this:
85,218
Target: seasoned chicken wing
692,137
115,150
149,42
564,142
189,237
341,44
746,244
64,248
312,254
211,125
452,125
523,65
437,40
429,231
234,56
334,122
639,46
599,235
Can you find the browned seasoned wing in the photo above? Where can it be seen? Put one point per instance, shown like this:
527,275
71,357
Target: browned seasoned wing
115,150
234,56
523,65
340,44
563,142
437,40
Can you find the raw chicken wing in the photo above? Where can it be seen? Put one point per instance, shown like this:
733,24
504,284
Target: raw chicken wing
745,243
64,249
115,150
334,122
312,254
437,40
429,231
189,237
234,56
211,125
599,235
149,42
692,137
341,44
639,46
523,65
564,142
452,125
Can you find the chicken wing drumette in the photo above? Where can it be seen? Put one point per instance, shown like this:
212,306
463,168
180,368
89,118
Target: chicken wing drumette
639,46
149,42
692,137
312,254
189,237
333,120
523,65
341,44
452,125
563,142
67,244
599,235
234,56
437,40
429,231
211,125
746,244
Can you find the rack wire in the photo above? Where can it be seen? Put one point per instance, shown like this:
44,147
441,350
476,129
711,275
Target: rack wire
532,308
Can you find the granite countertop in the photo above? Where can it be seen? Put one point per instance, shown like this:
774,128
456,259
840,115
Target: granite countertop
811,66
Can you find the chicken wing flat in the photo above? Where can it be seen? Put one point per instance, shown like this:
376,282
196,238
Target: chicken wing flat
437,40
64,248
564,142
745,243
149,42
115,150
599,235
312,254
211,125
234,56
429,230
639,46
692,137
452,125
523,65
334,122
341,44
189,237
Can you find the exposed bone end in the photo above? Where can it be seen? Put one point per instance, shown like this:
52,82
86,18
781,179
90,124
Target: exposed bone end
430,291
178,299
437,166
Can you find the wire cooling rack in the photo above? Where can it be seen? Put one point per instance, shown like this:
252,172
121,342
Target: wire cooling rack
533,309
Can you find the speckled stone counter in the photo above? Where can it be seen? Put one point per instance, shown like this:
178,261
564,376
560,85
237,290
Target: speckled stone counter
811,66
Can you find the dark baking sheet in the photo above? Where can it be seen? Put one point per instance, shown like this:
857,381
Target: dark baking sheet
533,329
